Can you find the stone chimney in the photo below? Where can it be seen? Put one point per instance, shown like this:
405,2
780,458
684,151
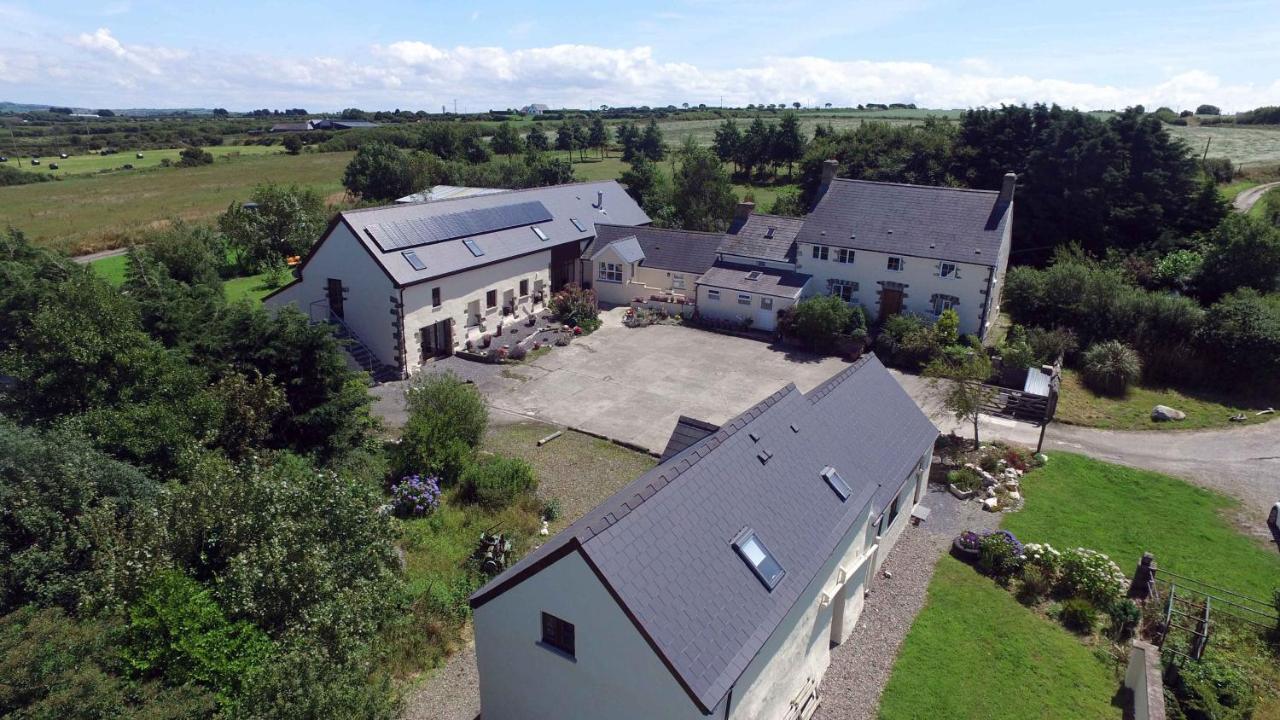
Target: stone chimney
829,169
1006,190
743,211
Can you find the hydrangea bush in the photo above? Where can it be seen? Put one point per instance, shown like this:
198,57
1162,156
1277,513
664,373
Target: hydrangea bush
1091,574
1043,557
416,496
1001,553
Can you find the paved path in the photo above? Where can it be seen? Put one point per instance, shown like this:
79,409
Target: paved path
1248,198
86,259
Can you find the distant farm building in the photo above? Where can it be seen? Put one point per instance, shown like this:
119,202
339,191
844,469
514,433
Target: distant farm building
534,109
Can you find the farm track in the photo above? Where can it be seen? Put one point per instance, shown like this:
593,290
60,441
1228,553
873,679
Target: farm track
1245,201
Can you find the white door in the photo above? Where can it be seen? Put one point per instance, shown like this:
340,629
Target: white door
765,318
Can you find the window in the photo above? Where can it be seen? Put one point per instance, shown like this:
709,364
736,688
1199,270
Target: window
538,231
843,289
837,483
473,247
844,255
948,270
414,261
524,288
895,264
753,275
578,224
491,299
893,512
744,299
943,303
558,634
759,558
677,282
435,297
713,294
766,303
820,252
610,272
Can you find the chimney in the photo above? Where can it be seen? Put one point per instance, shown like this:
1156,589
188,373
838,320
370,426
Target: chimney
829,168
599,199
1006,190
743,211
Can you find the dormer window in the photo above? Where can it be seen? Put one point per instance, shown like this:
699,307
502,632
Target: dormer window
758,558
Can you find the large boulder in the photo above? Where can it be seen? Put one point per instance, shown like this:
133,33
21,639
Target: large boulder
1164,413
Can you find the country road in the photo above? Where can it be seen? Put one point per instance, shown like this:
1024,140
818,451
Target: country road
1248,198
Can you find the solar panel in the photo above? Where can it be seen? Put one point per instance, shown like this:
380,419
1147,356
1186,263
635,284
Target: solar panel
425,231
414,260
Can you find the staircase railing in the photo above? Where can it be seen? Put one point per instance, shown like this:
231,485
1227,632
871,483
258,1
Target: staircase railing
370,363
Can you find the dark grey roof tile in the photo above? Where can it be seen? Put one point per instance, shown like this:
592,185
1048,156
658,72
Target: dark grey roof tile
664,248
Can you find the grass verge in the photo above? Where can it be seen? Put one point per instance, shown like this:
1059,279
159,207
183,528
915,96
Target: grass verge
1078,405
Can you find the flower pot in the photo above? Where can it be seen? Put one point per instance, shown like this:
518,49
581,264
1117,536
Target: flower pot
963,553
960,494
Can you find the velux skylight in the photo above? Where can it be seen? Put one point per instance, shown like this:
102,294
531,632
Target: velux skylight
541,235
473,247
414,261
837,483
758,558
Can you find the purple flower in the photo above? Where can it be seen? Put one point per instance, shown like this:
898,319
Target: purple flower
415,496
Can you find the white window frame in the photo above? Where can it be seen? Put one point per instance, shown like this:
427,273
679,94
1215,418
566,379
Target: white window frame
713,294
839,288
890,262
677,281
821,252
943,303
610,272
744,299
942,270
766,303
844,255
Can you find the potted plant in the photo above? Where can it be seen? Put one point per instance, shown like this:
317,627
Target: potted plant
967,546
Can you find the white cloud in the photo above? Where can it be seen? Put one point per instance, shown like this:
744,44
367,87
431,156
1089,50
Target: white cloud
97,68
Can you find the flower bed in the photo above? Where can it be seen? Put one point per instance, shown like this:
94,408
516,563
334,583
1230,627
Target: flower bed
992,473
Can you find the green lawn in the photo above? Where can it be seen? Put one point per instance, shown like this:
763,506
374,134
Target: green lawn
95,212
974,652
1077,405
252,287
89,163
111,268
1075,501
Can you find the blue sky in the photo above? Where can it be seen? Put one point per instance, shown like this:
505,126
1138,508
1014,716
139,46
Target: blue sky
937,53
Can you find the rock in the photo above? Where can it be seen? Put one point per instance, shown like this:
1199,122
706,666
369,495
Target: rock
1011,485
545,530
1014,495
888,575
1011,473
1164,413
1042,458
991,504
1268,411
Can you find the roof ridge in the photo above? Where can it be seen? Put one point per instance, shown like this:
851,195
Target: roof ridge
834,381
659,229
505,191
918,186
797,218
666,473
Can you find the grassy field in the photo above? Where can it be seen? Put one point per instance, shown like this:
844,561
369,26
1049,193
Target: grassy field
90,163
1078,405
974,652
88,213
611,168
1245,145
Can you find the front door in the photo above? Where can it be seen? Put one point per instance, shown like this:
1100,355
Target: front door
437,339
890,303
334,292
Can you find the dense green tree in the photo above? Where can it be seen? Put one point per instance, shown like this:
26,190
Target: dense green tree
651,142
506,140
192,156
727,139
702,194
446,421
565,138
918,154
379,171
629,139
598,135
193,254
279,222
292,144
536,139
646,184
817,321
788,142
475,151
1242,252
756,147
1208,110
1242,334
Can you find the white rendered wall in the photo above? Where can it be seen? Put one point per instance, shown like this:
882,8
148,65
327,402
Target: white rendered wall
728,307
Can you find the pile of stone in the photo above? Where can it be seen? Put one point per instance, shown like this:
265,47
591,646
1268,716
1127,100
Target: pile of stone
1001,490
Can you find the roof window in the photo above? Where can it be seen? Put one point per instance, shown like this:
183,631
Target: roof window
578,224
758,557
473,247
837,483
541,235
414,261
753,275
769,233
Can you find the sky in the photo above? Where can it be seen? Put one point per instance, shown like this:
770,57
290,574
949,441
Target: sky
324,56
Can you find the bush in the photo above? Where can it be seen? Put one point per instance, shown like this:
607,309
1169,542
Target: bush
518,352
1044,558
576,306
1091,575
1035,584
965,479
194,156
1110,368
378,172
1208,689
415,496
447,419
1000,554
497,482
1079,614
1125,616
817,321
1049,345
551,510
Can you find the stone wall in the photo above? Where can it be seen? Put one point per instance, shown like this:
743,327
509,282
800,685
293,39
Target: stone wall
1143,678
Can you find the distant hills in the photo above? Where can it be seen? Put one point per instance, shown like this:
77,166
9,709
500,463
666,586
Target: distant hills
12,107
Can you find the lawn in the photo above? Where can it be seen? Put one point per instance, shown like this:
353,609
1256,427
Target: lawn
111,268
1077,405
253,287
1075,501
89,163
974,652
97,212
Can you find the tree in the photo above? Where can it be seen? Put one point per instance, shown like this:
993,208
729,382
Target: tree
566,139
629,138
598,137
1208,110
379,171
755,147
796,104
581,140
648,187
788,141
292,143
536,139
192,156
702,192
817,321
651,143
447,418
506,140
1242,252
105,113
961,383
279,222
728,138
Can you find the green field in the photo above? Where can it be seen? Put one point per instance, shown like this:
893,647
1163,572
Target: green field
1245,146
611,168
96,212
90,163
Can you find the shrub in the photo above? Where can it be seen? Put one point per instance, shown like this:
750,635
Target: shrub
447,419
947,328
1209,689
1079,614
194,156
496,482
965,479
817,321
1092,575
1049,345
575,306
551,510
1125,616
1035,584
415,496
1111,367
1019,355
1000,554
1044,558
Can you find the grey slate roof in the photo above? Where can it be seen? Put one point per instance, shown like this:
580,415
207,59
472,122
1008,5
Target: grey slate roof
565,202
752,237
663,542
628,249
733,276
664,248
688,431
931,222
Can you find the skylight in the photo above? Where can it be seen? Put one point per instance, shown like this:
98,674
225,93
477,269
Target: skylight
541,235
578,224
769,233
753,275
758,558
412,258
473,247
837,483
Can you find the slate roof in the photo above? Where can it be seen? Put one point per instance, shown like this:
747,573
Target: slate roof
663,543
628,249
752,237
664,248
733,276
688,431
563,202
922,221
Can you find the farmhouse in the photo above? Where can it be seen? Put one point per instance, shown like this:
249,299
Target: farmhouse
716,583
625,262
409,282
